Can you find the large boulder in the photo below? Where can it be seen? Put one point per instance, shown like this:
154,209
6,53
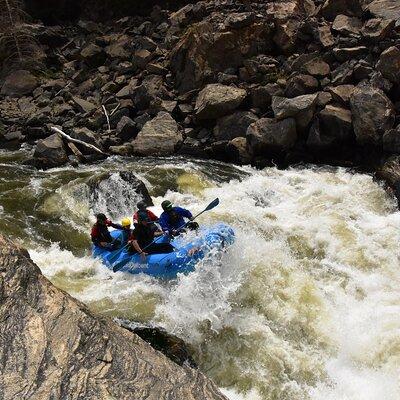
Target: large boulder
301,108
160,136
269,135
19,83
217,100
233,126
347,25
204,51
377,29
50,152
373,114
331,128
389,64
53,347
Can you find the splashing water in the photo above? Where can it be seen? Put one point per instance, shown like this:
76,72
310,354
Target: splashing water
305,305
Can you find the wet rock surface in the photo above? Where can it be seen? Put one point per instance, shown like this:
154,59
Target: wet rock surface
52,346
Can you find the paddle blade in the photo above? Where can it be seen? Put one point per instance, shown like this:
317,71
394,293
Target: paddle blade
212,205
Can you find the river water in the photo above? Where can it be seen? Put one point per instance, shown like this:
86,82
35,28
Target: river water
305,305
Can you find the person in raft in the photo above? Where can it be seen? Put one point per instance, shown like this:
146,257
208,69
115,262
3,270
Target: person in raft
143,235
142,206
172,219
100,235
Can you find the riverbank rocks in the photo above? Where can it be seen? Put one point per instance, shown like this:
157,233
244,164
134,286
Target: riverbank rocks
160,136
49,342
19,83
372,112
126,129
269,135
217,100
50,152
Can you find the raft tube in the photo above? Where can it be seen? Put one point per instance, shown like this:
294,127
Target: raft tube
168,266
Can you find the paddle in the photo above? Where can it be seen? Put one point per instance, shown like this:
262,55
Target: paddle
212,205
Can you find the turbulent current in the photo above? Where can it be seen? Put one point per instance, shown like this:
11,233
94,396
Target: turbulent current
305,305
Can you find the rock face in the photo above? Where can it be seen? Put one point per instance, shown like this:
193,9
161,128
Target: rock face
217,100
160,136
269,135
19,83
53,347
50,152
372,112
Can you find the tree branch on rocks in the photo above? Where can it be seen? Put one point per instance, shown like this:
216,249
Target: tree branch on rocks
69,138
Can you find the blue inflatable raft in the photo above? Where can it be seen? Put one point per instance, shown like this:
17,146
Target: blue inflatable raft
167,266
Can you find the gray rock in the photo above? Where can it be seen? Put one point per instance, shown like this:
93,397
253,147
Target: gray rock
233,126
347,25
160,136
325,35
341,93
299,85
331,129
391,140
19,83
126,129
44,329
119,49
141,58
343,74
268,135
389,64
261,96
317,67
377,29
149,92
50,152
93,55
217,100
84,105
86,135
373,114
301,108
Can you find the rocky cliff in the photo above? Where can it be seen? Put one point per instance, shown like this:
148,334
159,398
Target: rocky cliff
248,82
53,347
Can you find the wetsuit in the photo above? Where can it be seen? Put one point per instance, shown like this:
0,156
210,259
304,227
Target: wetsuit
173,220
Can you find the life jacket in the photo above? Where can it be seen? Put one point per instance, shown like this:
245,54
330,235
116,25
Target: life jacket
100,234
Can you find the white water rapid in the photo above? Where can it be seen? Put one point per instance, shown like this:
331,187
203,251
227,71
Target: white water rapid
305,305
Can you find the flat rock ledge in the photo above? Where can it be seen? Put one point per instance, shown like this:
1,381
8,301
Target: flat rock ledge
53,347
